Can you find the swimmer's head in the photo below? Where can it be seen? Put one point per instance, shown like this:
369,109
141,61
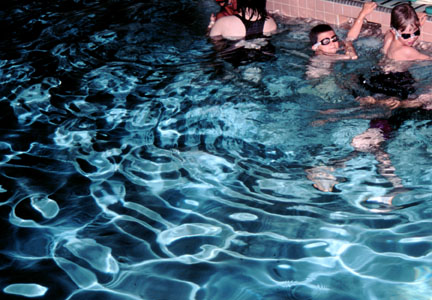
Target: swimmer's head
257,7
404,16
324,39
405,23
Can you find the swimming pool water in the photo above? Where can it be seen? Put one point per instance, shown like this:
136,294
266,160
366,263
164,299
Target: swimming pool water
136,163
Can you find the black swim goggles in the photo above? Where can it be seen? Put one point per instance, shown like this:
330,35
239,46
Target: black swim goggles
406,36
326,41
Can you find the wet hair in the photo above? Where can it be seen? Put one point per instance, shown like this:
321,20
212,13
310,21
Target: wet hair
402,16
313,34
399,84
258,7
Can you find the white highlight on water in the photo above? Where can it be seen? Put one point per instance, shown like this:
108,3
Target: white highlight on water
30,290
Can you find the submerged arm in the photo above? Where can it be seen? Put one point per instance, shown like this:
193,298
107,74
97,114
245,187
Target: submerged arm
354,32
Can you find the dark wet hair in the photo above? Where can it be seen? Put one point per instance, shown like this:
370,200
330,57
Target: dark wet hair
313,34
399,84
402,16
258,7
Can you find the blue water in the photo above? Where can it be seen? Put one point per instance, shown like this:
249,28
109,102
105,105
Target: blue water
137,164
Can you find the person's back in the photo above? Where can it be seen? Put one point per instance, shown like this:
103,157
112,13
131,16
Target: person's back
252,20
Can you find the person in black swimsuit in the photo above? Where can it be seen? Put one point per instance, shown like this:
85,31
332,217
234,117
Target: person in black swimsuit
251,20
243,38
253,28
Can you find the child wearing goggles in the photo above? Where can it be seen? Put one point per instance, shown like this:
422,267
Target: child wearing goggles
325,41
327,45
399,41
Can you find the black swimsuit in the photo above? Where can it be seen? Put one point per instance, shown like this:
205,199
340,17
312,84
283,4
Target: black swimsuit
253,28
240,55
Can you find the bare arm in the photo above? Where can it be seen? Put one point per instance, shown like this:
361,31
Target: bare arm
422,17
388,39
331,56
354,32
270,26
217,28
410,53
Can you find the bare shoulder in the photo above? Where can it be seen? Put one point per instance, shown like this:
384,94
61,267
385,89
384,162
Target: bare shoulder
270,25
410,53
226,26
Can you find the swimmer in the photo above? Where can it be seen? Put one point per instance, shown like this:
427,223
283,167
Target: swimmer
398,86
252,20
382,124
325,41
326,45
405,30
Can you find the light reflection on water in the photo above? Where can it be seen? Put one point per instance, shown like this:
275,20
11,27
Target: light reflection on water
137,164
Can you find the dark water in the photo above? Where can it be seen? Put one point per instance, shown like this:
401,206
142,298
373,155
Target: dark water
137,164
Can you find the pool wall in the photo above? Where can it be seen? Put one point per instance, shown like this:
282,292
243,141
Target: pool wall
337,12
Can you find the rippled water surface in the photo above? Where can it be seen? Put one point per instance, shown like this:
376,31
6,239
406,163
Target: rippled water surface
137,164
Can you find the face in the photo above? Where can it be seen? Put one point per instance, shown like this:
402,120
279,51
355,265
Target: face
408,36
332,46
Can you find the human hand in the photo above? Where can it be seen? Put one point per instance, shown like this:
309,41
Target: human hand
350,51
391,103
422,17
368,7
368,100
212,21
425,101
